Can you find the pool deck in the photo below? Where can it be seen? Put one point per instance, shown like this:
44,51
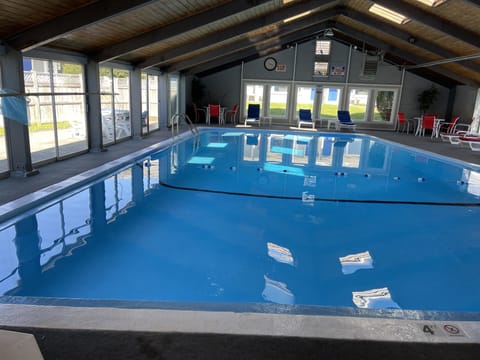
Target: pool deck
84,332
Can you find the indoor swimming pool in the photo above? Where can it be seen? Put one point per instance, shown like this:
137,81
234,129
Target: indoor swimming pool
265,219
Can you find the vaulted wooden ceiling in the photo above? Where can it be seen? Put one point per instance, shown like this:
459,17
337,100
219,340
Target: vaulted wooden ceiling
201,36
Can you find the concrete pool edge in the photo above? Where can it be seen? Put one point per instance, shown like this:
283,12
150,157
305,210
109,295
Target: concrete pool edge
233,323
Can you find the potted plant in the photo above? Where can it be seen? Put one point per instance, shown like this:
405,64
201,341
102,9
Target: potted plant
426,98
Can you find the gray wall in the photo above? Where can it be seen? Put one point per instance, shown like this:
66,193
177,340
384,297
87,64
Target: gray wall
225,86
464,103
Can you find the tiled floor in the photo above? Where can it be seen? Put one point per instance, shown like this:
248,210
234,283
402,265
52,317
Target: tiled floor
13,188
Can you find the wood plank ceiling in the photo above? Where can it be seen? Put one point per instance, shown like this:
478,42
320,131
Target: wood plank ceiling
202,36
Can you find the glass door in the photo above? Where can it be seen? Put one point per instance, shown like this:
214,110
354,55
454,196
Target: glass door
358,101
330,102
253,95
384,100
41,124
70,109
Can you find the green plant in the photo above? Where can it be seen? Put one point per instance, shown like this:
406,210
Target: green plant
426,98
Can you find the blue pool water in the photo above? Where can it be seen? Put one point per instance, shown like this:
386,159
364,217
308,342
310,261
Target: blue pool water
260,217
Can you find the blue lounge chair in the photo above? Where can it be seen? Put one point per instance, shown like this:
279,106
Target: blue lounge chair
344,120
305,118
253,114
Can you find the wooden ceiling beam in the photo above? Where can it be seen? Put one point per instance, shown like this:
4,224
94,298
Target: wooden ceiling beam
251,25
372,22
474,2
409,57
60,26
263,46
418,14
195,21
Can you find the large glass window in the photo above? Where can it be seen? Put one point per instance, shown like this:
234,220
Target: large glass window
149,102
173,95
56,120
70,108
383,105
330,102
40,113
115,103
3,148
358,100
253,95
372,104
305,98
3,145
278,101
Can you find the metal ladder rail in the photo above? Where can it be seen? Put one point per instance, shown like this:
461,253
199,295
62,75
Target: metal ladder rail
191,125
175,124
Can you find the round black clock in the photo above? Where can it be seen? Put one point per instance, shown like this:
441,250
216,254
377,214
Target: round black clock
270,63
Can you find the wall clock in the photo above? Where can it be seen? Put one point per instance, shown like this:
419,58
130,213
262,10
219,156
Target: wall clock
270,63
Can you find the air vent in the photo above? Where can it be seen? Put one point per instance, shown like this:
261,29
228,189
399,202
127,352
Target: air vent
370,66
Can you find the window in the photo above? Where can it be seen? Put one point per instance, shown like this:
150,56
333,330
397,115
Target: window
358,100
173,95
305,98
330,102
69,109
372,104
320,68
253,95
149,102
56,123
322,47
383,105
278,101
3,145
115,103
3,148
322,57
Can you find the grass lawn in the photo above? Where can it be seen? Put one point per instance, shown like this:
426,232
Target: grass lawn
357,112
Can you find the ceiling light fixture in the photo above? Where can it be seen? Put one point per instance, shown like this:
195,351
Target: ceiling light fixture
388,14
432,3
329,33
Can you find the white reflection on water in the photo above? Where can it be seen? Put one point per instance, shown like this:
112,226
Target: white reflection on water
374,299
280,253
354,262
277,292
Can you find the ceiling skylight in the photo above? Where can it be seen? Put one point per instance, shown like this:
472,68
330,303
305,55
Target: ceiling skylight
297,16
432,3
388,14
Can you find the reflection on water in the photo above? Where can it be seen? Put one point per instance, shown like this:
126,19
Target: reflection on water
192,223
277,292
354,262
279,253
374,299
